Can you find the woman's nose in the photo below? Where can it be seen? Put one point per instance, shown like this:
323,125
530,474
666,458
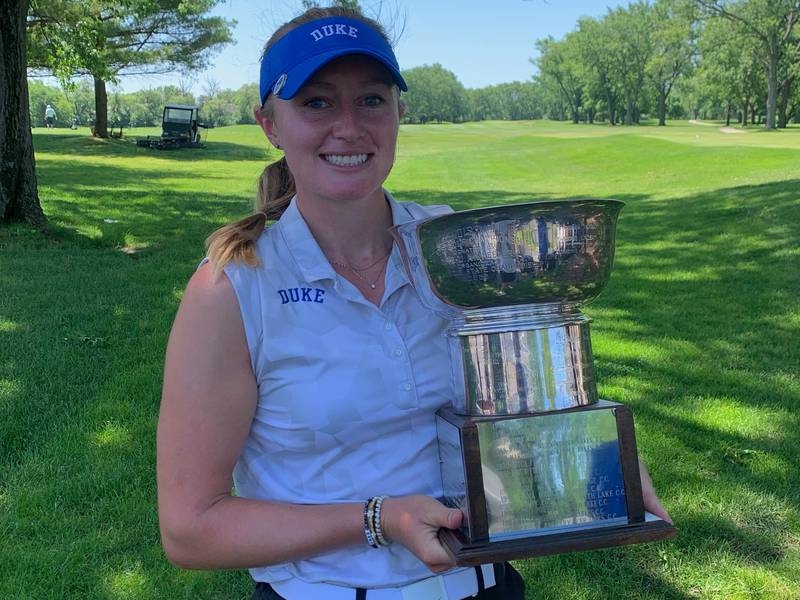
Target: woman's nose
347,125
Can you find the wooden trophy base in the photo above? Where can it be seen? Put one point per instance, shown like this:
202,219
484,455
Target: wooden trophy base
465,554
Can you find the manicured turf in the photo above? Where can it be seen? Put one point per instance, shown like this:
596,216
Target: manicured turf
698,331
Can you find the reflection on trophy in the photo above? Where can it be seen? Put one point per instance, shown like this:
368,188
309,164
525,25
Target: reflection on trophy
537,463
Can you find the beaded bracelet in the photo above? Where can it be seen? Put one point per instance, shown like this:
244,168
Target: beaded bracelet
373,530
380,538
368,510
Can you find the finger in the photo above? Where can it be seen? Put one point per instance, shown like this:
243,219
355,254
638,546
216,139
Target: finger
446,517
437,559
454,518
653,504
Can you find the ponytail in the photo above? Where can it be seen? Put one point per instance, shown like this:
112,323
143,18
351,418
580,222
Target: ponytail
236,241
275,189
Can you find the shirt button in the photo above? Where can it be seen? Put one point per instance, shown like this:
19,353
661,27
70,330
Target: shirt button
387,326
398,352
407,387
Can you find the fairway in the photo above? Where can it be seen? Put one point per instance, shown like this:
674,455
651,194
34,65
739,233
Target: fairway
698,332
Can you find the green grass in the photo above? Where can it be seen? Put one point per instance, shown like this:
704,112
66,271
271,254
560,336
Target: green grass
698,331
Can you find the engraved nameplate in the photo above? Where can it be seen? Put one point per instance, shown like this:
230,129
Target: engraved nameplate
551,472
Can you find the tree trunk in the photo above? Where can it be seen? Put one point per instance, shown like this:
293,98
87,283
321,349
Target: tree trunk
772,82
629,107
612,117
19,196
662,107
783,101
100,108
790,113
728,113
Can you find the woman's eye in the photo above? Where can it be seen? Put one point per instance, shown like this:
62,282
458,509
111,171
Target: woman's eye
373,101
315,103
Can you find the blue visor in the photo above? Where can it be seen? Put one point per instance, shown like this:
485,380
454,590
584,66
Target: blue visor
289,63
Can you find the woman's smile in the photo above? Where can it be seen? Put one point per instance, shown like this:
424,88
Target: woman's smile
346,160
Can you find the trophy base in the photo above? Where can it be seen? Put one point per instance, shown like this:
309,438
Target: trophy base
466,554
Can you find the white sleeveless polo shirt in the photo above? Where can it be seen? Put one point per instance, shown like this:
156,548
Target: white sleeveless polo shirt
347,393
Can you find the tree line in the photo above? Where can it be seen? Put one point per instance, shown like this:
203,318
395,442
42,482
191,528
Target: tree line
143,108
696,58
435,96
713,59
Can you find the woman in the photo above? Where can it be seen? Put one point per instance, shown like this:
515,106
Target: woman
302,361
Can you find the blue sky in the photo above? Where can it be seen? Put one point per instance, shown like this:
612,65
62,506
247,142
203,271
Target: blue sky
482,46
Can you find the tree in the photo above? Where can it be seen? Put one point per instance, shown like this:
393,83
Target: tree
434,94
772,23
632,47
595,41
789,69
515,101
107,39
81,102
673,48
730,71
19,196
561,62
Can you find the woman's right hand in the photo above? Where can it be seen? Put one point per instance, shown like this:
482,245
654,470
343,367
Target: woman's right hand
414,522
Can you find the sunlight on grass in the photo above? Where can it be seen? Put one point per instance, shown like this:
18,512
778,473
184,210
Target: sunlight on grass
132,245
7,325
9,388
129,584
111,435
93,232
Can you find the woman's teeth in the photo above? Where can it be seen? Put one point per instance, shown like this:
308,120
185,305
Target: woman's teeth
346,160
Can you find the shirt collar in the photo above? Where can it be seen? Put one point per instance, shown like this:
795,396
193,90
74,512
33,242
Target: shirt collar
312,262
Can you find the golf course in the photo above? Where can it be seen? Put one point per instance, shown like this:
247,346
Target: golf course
698,332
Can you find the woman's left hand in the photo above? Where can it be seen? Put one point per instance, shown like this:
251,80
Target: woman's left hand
651,502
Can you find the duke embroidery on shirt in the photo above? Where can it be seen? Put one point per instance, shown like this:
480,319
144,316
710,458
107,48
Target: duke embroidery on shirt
298,294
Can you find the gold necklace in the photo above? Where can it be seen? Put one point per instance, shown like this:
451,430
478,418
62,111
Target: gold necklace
360,272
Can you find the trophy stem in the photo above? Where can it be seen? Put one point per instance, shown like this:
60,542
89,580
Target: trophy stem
523,370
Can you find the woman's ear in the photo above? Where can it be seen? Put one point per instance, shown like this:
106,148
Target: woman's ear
401,108
267,125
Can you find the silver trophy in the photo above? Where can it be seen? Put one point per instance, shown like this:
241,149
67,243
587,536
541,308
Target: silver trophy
537,463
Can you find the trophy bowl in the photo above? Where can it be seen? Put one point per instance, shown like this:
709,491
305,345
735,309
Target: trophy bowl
539,253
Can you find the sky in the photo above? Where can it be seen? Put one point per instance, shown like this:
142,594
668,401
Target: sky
483,43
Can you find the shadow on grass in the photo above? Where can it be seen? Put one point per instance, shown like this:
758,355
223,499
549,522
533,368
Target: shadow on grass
102,205
83,145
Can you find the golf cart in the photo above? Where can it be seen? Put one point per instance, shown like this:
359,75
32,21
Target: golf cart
179,129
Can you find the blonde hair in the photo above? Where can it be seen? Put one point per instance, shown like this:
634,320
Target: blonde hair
236,241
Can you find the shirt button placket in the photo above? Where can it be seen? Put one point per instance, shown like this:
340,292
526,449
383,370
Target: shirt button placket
398,352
